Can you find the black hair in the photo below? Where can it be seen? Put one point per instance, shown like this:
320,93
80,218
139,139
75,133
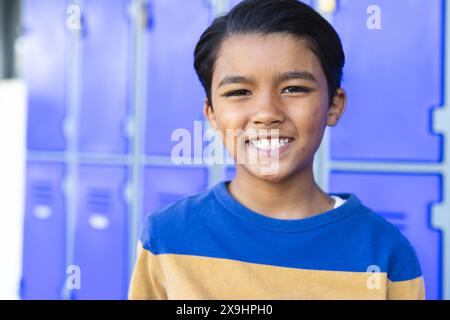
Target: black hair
266,17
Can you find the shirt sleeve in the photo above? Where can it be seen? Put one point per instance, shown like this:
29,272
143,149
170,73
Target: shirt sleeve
147,281
407,283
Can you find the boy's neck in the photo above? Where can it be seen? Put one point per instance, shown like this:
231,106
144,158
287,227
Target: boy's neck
296,197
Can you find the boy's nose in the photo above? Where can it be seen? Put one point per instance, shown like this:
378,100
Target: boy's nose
268,113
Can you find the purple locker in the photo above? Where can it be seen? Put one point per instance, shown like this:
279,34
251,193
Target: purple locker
393,76
43,65
165,185
405,200
174,94
105,77
43,269
230,173
101,233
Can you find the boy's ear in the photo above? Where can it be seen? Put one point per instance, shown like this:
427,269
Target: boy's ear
337,107
209,114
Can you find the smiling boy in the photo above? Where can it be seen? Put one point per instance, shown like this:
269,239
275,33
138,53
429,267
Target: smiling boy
272,67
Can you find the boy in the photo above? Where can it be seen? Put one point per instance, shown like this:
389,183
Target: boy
272,68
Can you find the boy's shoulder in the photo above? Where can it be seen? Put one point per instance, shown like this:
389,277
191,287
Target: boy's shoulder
383,228
177,219
179,209
389,242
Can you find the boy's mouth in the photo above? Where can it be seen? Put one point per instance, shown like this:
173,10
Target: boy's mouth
268,146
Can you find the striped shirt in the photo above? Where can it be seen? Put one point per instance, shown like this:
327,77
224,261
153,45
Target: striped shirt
210,246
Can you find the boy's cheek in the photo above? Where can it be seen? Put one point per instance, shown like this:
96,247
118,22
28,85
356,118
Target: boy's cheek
235,146
311,140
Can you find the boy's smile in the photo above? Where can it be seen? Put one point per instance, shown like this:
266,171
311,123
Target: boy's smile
269,146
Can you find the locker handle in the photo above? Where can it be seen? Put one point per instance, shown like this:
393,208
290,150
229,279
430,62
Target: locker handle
98,221
42,212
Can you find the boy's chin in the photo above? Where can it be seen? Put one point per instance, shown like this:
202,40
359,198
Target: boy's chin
268,174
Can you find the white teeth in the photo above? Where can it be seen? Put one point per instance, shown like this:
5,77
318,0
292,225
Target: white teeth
269,144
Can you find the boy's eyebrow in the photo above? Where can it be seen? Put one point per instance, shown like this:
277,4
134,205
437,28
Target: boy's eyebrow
295,74
233,79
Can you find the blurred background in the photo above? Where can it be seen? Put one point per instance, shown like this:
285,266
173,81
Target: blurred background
91,91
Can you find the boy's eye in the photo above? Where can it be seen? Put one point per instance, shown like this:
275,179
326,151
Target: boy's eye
295,89
241,92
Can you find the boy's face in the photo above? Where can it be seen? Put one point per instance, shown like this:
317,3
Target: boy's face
272,82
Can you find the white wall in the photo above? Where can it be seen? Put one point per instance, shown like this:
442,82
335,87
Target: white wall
12,169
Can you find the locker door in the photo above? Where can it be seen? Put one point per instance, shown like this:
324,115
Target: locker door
393,76
43,65
105,67
230,173
43,271
405,201
163,186
174,94
101,233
